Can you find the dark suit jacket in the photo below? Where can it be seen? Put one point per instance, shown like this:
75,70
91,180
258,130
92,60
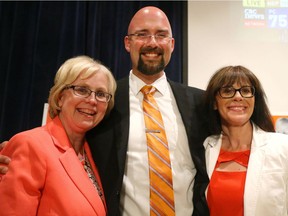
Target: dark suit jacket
109,140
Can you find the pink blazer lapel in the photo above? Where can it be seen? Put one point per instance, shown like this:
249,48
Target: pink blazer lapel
77,174
72,164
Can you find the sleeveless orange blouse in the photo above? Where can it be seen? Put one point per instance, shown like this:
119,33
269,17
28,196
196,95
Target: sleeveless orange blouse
226,188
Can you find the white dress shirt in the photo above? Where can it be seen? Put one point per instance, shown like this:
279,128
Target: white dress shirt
135,190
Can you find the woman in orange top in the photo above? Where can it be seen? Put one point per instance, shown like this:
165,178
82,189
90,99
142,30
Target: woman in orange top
246,162
52,171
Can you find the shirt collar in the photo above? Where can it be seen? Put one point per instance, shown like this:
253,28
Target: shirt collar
136,84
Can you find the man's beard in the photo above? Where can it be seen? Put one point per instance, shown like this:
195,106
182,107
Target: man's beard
150,69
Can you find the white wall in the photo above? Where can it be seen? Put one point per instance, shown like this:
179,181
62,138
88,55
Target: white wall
217,37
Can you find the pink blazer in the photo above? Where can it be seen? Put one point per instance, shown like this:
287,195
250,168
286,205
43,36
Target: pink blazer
45,176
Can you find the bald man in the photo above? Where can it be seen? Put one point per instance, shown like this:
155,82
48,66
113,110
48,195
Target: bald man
122,138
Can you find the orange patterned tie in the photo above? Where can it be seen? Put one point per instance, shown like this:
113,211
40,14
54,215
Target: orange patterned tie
161,185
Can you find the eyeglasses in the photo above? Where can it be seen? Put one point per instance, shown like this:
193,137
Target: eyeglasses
85,92
160,38
229,92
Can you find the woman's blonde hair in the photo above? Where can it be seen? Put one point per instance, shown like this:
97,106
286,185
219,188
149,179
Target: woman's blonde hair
83,67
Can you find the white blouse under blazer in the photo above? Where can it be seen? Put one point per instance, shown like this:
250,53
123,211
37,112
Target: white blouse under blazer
266,187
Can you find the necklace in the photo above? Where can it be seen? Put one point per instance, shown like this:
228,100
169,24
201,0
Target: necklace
87,167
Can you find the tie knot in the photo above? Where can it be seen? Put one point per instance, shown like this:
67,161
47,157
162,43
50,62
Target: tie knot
148,89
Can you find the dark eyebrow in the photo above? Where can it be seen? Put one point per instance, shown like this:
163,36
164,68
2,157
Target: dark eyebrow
147,31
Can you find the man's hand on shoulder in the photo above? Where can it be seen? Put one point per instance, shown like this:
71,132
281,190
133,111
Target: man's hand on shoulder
4,160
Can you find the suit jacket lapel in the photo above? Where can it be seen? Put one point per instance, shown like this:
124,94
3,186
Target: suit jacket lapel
183,104
75,171
256,161
188,100
186,106
71,163
212,152
121,126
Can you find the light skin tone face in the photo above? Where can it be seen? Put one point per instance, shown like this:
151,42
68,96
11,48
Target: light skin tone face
78,114
235,111
149,58
237,130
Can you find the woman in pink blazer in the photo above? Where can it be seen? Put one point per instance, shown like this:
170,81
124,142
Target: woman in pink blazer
52,171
